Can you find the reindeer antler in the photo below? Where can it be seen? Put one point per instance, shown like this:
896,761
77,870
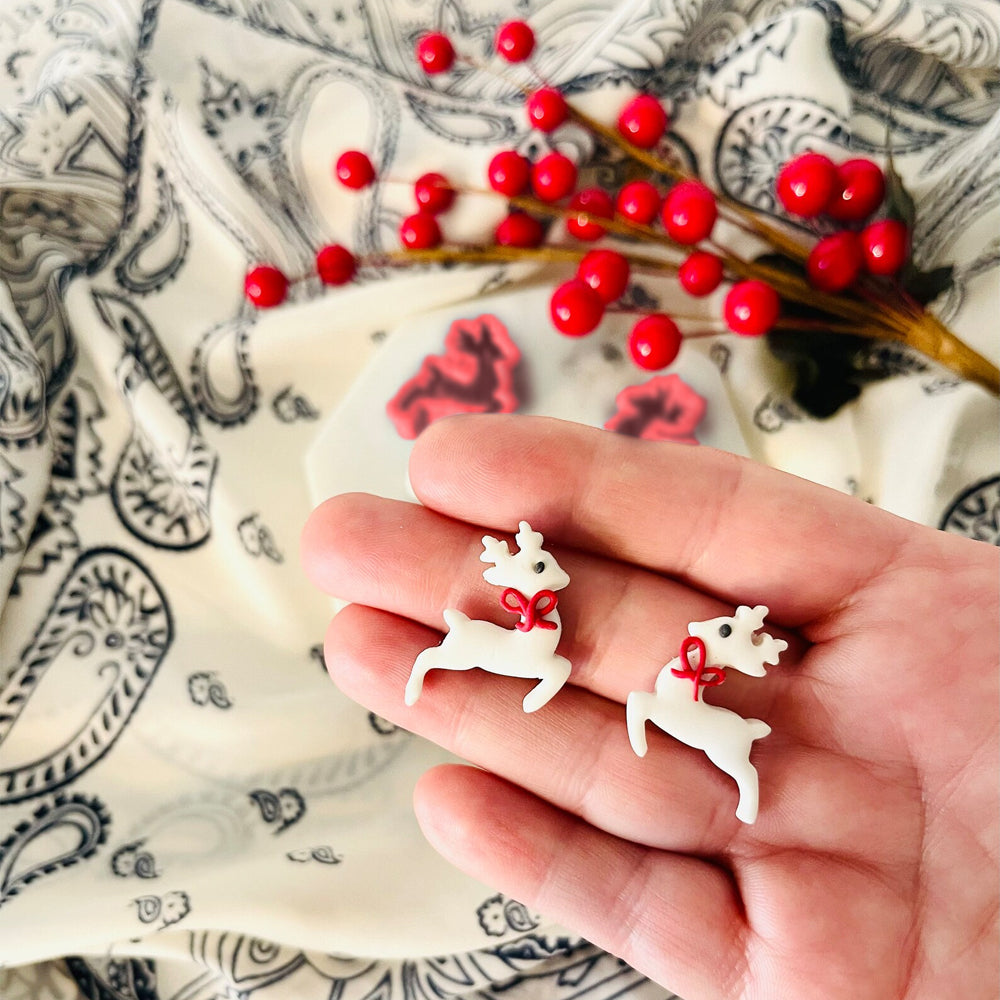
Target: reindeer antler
768,647
752,617
494,550
528,540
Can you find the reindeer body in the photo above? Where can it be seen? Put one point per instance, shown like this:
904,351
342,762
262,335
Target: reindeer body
678,708
529,649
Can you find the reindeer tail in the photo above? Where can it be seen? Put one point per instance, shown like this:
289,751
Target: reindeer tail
758,729
453,618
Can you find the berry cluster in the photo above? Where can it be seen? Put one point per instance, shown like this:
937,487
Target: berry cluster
811,186
843,278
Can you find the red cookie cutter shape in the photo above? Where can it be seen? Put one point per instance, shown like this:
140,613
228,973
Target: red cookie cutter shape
474,375
665,408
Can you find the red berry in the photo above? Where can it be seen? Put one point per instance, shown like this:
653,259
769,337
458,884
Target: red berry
701,273
835,262
806,184
607,272
433,193
643,121
689,212
509,173
885,245
592,201
553,177
639,201
335,265
514,41
752,308
576,308
354,170
420,231
265,286
519,230
654,342
859,191
435,53
547,109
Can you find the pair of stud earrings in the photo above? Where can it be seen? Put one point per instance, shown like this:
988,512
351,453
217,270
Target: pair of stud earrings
530,578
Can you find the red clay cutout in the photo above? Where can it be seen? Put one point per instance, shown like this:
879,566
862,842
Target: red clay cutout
474,375
665,408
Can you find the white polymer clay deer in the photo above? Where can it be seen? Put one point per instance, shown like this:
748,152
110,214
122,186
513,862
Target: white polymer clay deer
530,577
676,704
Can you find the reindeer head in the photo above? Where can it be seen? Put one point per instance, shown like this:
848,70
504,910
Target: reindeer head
735,642
529,570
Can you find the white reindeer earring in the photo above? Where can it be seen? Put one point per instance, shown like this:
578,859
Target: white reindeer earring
676,705
527,650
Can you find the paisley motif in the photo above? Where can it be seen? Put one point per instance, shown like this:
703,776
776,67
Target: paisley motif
160,250
91,661
169,908
56,836
162,484
76,445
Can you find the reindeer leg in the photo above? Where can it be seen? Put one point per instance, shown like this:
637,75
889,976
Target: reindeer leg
638,708
548,686
421,665
734,759
748,784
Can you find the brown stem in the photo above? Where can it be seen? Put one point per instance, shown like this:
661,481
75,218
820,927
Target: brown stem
476,255
471,254
931,337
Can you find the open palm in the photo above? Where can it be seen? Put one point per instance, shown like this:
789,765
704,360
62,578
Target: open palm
872,869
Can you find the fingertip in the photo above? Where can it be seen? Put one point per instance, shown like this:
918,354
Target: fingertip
464,465
361,651
359,647
447,776
427,793
337,643
319,533
433,456
343,541
452,803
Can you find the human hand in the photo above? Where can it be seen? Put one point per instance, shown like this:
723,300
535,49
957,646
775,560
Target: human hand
872,869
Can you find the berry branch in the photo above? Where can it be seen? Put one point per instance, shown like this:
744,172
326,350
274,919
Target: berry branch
853,282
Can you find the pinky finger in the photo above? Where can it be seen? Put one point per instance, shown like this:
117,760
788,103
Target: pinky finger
672,917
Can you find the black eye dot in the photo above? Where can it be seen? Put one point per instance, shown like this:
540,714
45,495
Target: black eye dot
539,567
725,631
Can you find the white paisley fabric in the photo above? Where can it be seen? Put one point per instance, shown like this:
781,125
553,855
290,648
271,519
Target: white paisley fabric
188,808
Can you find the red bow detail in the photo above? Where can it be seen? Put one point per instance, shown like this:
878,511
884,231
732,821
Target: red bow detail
700,676
530,611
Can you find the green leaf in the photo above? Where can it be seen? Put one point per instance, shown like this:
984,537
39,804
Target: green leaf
899,202
926,286
823,375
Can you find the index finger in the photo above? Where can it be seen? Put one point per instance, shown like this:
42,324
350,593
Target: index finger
726,525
